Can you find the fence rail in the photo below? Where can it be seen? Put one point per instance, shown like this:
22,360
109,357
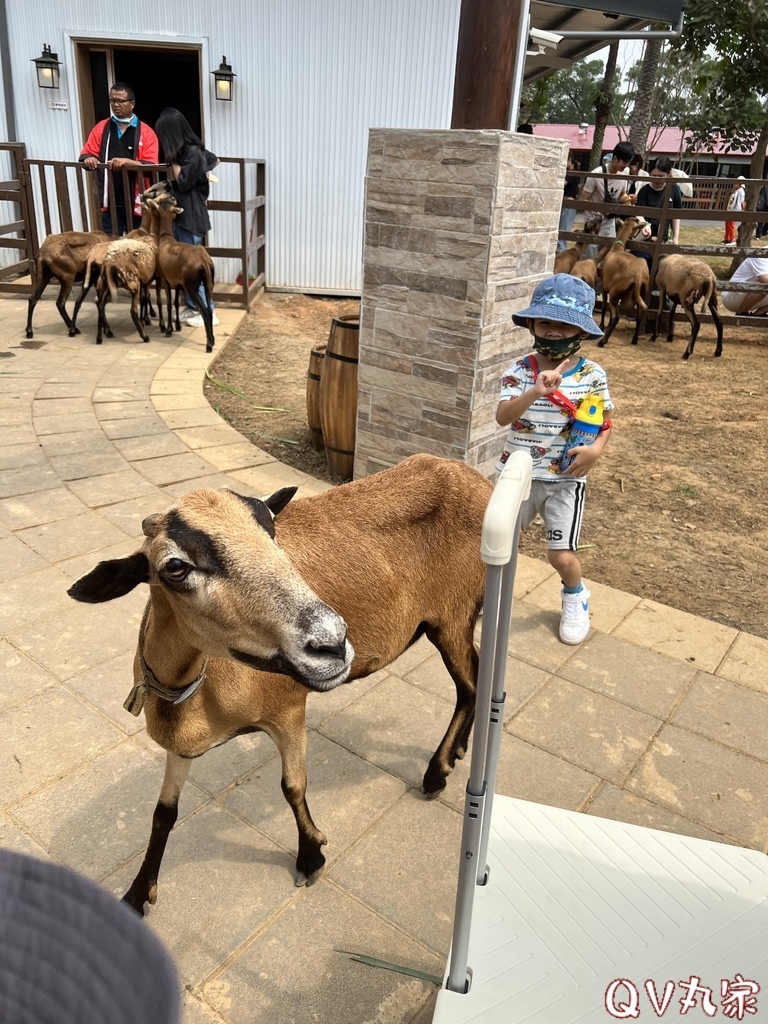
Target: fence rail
67,196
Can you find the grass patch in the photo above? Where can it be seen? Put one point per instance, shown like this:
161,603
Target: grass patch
686,491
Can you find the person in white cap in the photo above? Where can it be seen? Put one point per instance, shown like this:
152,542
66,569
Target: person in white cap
736,201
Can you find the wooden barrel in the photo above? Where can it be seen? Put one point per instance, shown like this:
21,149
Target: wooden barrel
338,395
316,358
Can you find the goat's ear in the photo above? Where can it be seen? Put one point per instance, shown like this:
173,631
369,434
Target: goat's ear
276,502
111,579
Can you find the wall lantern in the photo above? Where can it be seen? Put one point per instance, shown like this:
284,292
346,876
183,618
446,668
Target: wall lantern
223,77
47,65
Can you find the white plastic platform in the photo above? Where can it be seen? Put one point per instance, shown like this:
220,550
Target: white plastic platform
572,903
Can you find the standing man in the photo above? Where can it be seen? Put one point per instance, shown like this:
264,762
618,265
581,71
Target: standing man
603,186
736,202
121,140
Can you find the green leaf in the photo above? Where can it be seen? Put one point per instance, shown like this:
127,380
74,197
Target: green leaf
239,394
372,961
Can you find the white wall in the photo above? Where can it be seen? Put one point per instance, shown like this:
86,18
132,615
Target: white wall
312,78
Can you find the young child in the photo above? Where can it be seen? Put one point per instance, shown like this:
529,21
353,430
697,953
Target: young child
539,397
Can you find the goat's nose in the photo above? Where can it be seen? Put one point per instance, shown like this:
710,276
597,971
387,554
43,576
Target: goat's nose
335,646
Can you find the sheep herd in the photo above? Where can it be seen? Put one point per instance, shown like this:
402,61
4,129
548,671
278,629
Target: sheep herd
146,255
623,280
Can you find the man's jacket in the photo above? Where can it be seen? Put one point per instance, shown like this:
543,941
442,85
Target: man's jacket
147,151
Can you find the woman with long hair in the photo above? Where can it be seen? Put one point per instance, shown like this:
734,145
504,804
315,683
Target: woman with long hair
191,165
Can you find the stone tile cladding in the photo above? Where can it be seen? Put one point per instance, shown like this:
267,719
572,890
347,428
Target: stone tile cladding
459,228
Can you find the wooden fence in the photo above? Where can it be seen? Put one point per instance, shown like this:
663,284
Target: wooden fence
63,195
707,205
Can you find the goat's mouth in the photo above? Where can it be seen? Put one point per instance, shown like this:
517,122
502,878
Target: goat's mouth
321,671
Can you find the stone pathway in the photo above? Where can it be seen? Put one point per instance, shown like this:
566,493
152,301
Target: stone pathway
659,718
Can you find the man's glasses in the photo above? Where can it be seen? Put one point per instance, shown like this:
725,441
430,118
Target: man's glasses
119,103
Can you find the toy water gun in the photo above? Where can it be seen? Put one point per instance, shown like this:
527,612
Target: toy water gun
585,427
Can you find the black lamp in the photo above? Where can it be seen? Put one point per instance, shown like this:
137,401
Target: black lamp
223,77
47,65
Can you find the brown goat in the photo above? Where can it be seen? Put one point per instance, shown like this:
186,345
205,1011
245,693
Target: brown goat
687,281
565,259
129,263
62,256
248,612
587,271
181,265
624,281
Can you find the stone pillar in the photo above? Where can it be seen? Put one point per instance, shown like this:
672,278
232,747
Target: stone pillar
459,228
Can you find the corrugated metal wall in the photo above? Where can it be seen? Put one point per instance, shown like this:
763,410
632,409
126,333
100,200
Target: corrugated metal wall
312,78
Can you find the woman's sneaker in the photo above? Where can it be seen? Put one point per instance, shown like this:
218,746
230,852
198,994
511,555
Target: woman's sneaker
574,622
197,321
187,314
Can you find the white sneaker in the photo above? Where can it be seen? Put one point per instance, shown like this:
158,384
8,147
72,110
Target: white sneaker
574,622
197,321
187,314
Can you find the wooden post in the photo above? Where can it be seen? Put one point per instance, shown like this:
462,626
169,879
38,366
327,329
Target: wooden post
485,63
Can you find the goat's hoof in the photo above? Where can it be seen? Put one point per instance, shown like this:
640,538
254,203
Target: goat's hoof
74,331
110,334
434,782
30,334
169,334
136,903
98,341
146,341
309,868
209,348
601,344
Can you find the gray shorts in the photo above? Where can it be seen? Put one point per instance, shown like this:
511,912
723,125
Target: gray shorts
561,505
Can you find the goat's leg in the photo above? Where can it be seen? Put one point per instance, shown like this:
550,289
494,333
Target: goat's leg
671,324
659,313
169,325
695,324
158,299
43,281
144,886
206,313
135,315
603,305
60,305
457,649
638,324
718,325
177,297
84,291
611,326
290,737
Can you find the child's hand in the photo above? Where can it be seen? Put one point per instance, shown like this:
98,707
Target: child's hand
549,380
584,458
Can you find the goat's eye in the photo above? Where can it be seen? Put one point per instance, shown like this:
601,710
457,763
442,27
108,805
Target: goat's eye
175,570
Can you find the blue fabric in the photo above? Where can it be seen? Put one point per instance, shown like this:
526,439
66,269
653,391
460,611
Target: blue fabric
573,590
567,216
183,235
124,126
122,226
564,299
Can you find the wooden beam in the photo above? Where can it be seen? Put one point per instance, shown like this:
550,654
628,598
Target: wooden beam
485,63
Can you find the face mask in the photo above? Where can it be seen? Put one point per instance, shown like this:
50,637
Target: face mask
556,348
122,120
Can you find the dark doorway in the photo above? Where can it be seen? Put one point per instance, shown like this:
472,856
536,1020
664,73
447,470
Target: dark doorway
159,76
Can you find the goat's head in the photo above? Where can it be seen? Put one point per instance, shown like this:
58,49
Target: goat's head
160,188
162,203
212,563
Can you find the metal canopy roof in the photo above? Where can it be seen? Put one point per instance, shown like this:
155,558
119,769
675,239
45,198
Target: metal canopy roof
627,17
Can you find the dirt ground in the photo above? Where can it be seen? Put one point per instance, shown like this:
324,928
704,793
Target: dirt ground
676,509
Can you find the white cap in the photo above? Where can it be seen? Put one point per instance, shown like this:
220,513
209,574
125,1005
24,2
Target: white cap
741,178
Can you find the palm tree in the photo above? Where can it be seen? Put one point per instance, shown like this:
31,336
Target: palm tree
603,102
640,123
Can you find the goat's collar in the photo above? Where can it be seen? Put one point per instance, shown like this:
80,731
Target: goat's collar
150,684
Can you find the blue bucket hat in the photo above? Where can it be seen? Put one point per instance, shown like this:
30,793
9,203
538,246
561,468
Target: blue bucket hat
563,298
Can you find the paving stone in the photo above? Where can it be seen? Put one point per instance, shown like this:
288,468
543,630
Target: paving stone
321,706
633,675
73,641
520,682
269,477
200,416
98,816
607,607
18,559
135,426
221,767
17,456
195,1012
395,726
677,634
109,411
135,449
236,456
105,688
164,403
533,637
78,442
32,597
585,728
406,868
126,393
112,487
529,773
42,507
345,795
726,712
707,783
529,573
79,467
14,838
45,737
26,481
67,538
619,805
172,469
22,678
746,661
322,984
61,406
213,864
64,424
129,515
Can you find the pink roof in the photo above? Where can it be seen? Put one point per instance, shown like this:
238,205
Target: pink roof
664,141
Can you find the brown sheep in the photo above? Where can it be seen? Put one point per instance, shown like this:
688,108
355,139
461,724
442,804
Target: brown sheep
62,256
687,280
565,260
587,271
249,606
128,263
624,281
